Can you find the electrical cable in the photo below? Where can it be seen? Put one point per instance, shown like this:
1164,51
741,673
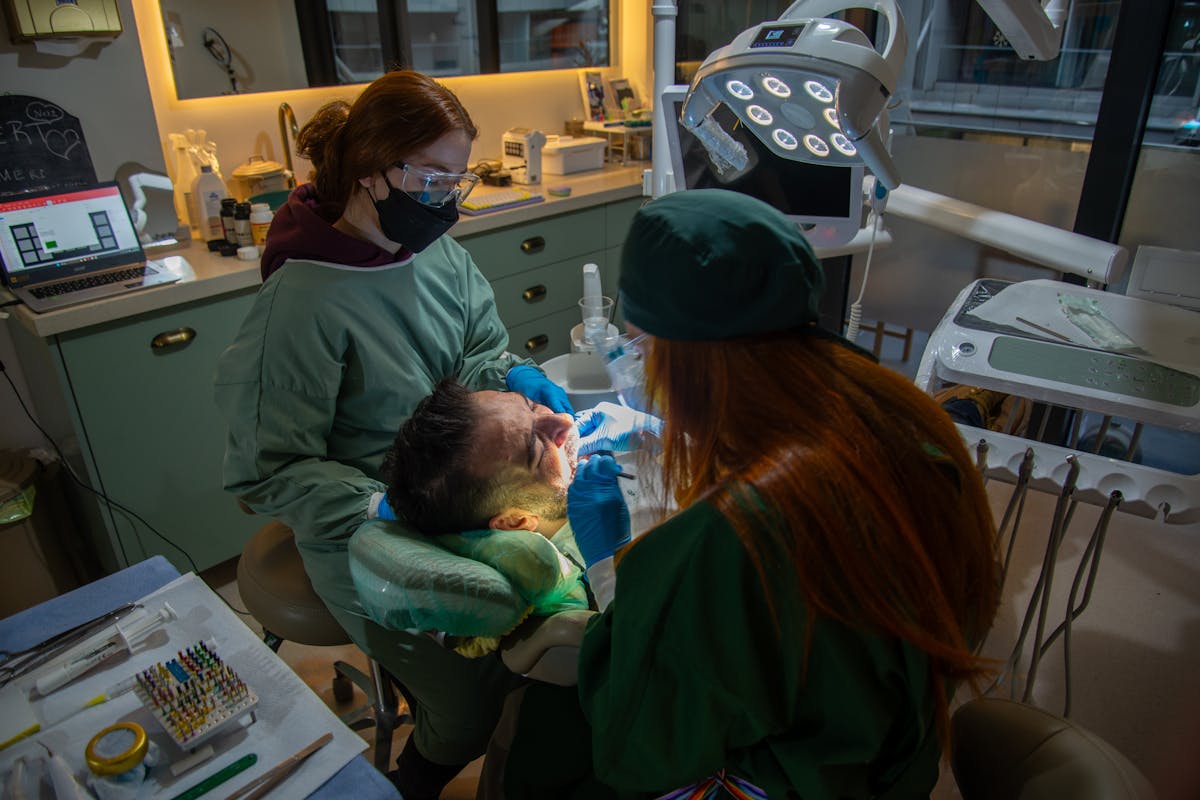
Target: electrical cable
873,219
112,504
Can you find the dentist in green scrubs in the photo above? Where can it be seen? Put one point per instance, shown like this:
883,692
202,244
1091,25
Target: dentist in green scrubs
797,627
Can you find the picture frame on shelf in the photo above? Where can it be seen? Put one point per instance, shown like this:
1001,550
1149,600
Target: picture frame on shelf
624,97
591,89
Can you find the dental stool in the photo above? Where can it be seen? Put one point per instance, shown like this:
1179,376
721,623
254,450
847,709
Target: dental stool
277,592
1004,750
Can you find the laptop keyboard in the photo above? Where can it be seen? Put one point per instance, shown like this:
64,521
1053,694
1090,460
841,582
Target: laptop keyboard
79,284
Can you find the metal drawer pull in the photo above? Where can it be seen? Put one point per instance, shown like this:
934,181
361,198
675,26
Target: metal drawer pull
534,293
177,337
535,343
534,244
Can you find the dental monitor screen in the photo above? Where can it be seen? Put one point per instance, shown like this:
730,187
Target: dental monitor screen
825,201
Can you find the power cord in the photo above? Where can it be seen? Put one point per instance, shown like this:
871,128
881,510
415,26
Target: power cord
113,504
852,326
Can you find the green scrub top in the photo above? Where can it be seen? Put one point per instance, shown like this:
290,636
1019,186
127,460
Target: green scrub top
327,365
685,673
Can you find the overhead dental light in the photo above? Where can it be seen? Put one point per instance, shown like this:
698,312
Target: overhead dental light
810,88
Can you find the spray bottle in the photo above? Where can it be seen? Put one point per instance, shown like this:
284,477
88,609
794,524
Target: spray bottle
183,177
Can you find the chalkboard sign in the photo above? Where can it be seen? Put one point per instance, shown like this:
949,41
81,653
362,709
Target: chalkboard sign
41,147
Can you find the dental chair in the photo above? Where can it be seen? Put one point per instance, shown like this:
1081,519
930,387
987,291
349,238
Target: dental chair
277,592
1004,750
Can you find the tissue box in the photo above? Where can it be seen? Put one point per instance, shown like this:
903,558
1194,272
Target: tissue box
568,154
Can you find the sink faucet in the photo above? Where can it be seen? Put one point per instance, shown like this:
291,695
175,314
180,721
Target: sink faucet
287,119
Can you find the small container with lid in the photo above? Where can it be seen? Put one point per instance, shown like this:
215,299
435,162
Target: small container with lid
119,758
241,225
260,222
260,176
228,207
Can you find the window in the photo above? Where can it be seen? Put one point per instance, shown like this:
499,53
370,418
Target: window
356,41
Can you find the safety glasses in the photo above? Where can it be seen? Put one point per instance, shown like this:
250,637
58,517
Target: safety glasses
433,188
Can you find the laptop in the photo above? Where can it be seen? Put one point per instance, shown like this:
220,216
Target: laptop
69,246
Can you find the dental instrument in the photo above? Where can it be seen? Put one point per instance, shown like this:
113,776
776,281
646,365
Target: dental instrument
195,695
116,690
276,775
22,662
121,636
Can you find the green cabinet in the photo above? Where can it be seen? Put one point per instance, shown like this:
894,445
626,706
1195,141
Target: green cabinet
535,269
140,397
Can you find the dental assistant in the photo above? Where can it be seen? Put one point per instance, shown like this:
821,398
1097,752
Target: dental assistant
365,306
799,626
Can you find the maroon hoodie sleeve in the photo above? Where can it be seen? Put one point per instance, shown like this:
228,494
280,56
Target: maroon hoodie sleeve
299,231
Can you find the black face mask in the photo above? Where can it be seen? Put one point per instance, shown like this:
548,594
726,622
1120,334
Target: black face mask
411,223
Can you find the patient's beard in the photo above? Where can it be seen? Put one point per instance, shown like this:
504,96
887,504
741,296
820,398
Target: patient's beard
569,456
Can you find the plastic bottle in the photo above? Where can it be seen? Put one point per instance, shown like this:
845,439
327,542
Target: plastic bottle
228,207
260,222
241,225
207,193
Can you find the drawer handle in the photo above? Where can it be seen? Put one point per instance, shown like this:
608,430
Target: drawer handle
535,343
534,293
180,337
534,244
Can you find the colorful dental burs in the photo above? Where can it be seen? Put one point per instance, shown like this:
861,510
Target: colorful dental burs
194,694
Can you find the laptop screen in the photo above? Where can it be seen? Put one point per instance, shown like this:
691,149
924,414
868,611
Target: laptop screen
50,235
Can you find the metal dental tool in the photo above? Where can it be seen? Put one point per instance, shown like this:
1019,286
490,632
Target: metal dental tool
22,662
121,636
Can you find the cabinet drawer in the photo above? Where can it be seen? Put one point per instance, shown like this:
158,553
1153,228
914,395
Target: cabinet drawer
144,392
618,217
522,247
544,338
545,290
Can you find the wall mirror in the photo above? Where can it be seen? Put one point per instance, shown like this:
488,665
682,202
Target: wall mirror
221,47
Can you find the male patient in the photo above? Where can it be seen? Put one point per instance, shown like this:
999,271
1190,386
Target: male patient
494,467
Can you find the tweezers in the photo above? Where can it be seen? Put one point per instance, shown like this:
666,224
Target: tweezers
276,775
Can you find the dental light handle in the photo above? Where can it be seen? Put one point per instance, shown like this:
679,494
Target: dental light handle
895,49
119,637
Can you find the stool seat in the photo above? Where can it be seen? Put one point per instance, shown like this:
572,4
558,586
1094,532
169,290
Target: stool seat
1004,750
278,593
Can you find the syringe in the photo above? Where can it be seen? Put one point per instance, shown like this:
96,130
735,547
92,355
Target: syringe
120,636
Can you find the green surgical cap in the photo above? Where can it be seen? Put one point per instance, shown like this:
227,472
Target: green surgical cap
714,264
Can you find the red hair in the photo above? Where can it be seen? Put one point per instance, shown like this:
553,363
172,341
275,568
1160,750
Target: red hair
885,519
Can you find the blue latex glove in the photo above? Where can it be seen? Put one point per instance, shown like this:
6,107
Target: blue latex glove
596,509
615,428
530,382
384,511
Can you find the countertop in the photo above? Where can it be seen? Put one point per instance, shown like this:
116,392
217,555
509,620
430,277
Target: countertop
204,275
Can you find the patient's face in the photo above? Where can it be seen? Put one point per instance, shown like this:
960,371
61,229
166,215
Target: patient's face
528,439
